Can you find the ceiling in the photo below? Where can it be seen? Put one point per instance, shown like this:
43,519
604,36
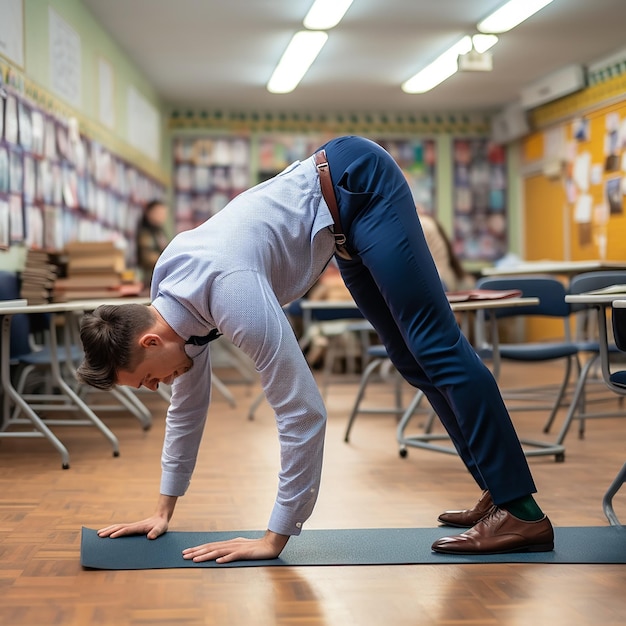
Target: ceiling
213,54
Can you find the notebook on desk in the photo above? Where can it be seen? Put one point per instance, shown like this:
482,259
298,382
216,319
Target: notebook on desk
482,294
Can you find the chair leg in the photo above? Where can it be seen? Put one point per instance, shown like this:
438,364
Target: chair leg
406,418
607,501
574,404
367,373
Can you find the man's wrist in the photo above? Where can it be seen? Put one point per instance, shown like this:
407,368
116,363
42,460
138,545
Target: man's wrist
278,542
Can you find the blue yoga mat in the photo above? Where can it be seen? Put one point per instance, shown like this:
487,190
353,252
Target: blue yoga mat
368,546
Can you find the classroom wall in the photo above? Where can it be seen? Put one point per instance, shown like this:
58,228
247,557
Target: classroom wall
33,79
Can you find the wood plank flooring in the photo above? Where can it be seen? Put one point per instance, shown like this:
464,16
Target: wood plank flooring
365,484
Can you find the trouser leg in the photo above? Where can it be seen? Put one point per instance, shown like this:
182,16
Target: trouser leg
395,284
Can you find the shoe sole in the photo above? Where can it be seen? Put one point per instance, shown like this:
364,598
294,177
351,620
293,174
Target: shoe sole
452,525
546,547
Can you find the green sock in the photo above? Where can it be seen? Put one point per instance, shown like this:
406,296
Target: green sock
524,508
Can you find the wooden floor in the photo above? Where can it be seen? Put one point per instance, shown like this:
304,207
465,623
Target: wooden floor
365,484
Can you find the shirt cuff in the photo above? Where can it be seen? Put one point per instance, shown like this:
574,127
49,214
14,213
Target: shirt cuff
283,521
174,484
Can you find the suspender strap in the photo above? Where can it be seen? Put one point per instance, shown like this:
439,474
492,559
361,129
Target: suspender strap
321,162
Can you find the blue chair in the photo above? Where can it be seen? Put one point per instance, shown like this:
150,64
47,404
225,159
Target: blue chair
551,294
379,362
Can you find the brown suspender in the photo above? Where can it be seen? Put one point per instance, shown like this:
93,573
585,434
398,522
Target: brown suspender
321,162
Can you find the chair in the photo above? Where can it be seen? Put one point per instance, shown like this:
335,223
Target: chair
551,293
616,381
25,406
588,342
380,362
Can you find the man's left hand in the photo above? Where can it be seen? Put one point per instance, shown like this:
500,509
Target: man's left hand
240,549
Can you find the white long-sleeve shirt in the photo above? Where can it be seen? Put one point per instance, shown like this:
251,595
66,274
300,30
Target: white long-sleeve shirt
266,248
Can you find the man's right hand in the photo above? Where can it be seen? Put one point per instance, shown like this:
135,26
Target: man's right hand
152,527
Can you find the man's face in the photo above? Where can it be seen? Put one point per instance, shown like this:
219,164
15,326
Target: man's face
163,362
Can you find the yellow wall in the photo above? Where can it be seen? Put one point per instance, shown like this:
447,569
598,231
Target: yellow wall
551,230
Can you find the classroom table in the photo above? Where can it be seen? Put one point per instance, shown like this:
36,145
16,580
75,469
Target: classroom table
73,401
427,440
601,302
563,268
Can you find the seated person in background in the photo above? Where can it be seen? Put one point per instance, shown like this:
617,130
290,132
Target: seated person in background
452,274
151,238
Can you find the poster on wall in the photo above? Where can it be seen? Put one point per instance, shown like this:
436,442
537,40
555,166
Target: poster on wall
65,59
12,31
480,211
418,159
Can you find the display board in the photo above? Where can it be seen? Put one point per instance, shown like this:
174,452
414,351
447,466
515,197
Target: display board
58,185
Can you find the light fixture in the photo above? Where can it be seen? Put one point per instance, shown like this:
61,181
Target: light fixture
326,14
510,15
446,64
302,50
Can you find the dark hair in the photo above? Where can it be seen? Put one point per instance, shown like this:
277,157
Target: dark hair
107,336
145,221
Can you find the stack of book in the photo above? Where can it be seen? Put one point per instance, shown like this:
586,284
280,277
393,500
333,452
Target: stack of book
94,269
39,276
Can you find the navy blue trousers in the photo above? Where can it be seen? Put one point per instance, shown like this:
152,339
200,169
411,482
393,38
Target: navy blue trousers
395,284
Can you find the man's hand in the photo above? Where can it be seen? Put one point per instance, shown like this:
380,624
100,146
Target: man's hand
152,527
267,547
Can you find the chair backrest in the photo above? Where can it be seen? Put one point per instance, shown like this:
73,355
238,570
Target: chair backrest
20,325
619,327
550,291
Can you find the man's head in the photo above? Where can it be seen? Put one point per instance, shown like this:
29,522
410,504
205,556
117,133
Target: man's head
130,344
109,337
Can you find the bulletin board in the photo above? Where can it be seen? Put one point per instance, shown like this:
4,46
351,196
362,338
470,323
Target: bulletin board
576,205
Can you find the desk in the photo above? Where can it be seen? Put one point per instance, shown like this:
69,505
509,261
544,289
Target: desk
564,268
73,401
600,302
426,439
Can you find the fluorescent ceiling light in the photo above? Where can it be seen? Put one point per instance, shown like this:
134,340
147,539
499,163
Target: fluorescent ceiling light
510,15
482,43
325,14
439,70
446,64
302,50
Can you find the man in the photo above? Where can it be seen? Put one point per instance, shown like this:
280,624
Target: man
232,274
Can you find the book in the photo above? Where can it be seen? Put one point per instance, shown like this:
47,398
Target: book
103,293
82,281
482,294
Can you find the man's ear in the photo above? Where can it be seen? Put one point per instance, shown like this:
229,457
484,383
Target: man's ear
150,339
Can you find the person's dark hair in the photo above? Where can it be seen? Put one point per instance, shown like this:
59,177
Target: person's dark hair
455,263
145,219
107,336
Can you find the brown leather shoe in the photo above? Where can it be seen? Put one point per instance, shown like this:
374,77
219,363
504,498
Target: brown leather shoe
500,532
468,517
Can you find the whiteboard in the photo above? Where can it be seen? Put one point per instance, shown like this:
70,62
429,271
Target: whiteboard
12,30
